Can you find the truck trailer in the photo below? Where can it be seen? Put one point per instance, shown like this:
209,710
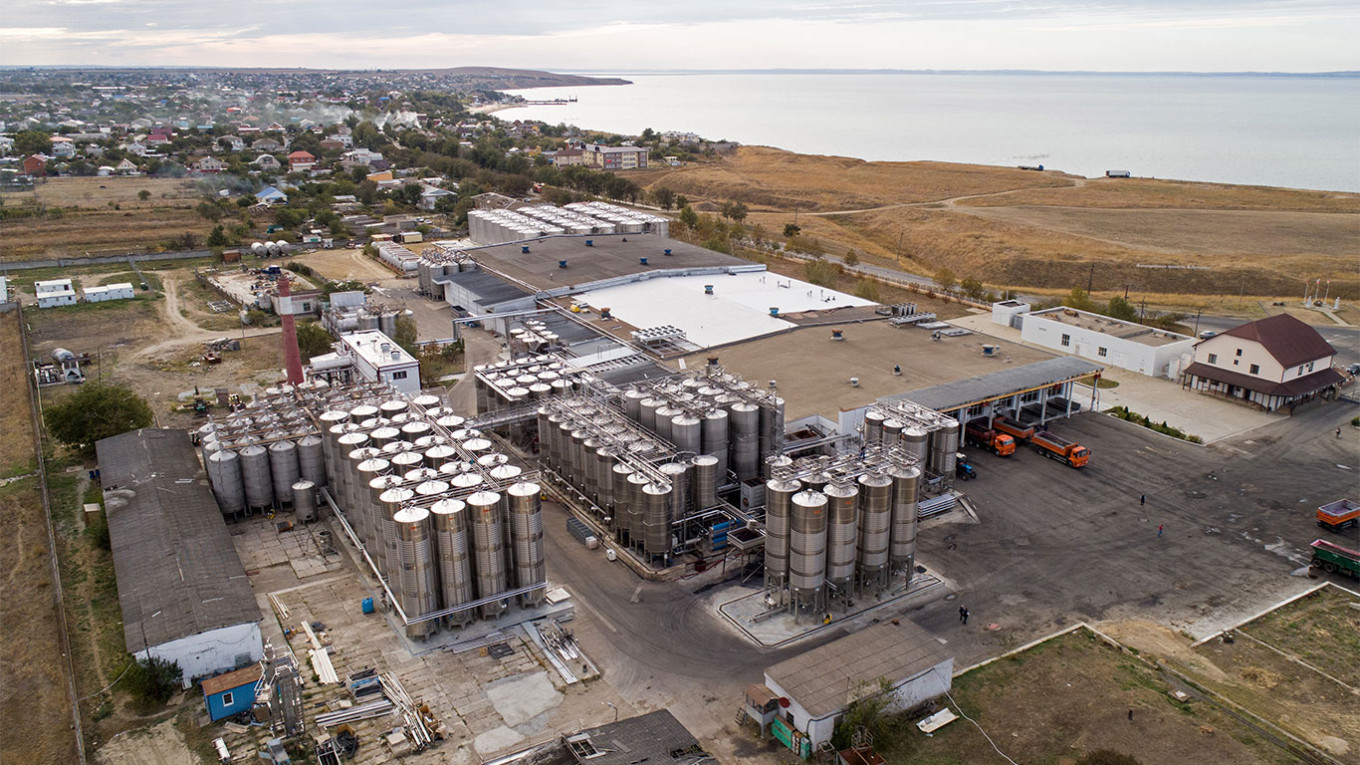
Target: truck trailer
1334,558
1021,433
994,441
1339,515
1056,447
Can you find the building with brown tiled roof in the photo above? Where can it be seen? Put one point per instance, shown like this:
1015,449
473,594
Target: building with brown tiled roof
1272,363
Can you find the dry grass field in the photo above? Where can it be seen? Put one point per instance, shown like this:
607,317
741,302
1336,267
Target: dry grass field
35,715
98,216
1014,228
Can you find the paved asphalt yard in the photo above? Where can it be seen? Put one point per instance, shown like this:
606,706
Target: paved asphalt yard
1053,545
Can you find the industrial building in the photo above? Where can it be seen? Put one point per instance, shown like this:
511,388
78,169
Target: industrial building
1031,394
1111,342
54,292
120,291
656,738
353,311
821,684
370,355
1271,363
183,592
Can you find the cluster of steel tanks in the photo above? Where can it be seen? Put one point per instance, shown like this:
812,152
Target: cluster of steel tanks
452,527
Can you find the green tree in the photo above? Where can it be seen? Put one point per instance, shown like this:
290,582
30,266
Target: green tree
32,142
851,258
867,289
663,197
791,230
945,278
406,333
153,680
218,237
1119,308
688,218
1079,300
313,340
821,272
681,201
735,211
972,288
209,211
98,410
144,195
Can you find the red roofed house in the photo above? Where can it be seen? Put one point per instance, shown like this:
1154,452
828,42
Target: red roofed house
35,164
301,161
1273,363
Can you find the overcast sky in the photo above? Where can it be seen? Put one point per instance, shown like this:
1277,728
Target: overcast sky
1102,35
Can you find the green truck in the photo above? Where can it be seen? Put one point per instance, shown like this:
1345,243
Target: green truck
1333,558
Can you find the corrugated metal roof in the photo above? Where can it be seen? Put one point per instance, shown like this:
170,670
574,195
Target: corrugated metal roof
488,288
827,679
1285,337
951,396
234,679
656,738
178,572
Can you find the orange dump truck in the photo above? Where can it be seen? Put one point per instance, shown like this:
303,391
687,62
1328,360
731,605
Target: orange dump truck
1021,433
1339,515
1056,447
999,444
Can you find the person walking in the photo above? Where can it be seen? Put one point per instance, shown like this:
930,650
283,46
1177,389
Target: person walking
1338,432
1142,500
965,616
963,613
1159,529
1130,715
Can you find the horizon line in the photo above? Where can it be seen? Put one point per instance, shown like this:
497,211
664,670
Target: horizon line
601,71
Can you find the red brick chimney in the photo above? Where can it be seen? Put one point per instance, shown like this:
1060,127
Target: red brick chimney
292,358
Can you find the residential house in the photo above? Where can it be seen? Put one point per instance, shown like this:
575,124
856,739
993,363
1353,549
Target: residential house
36,164
271,196
6,145
231,693
430,196
616,157
301,161
1273,363
136,149
126,167
63,147
234,143
266,144
330,144
267,162
568,157
210,165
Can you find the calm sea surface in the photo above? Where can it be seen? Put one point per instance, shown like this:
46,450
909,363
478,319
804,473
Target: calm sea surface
1301,132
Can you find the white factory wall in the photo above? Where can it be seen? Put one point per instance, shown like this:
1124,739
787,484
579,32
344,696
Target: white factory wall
213,651
1151,360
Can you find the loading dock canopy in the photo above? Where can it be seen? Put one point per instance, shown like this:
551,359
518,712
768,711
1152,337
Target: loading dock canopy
982,389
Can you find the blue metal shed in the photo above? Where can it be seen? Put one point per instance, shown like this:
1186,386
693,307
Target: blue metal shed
231,693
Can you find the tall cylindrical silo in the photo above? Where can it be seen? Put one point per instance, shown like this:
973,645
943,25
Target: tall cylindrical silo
778,505
283,470
875,528
419,573
647,412
686,433
916,442
656,520
389,496
304,501
224,474
526,525
705,481
437,455
905,511
632,404
455,561
488,548
842,537
714,440
665,416
771,426
312,460
362,513
604,477
892,430
636,507
618,507
807,550
873,426
944,448
680,476
255,475
745,439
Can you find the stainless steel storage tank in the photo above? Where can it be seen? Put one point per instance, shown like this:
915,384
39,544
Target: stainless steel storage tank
618,508
875,522
807,550
873,427
905,510
362,511
488,548
224,474
526,534
255,475
916,442
842,536
714,439
632,520
647,412
705,481
944,448
604,475
665,415
680,477
455,562
778,506
389,496
745,439
656,519
771,426
312,459
419,591
283,470
892,430
304,501
437,455
686,433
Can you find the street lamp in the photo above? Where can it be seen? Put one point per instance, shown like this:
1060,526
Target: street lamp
610,704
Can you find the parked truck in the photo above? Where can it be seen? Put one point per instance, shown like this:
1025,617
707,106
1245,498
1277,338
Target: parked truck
1056,447
1021,433
994,441
1334,558
1339,515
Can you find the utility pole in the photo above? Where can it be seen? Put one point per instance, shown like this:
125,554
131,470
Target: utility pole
1197,313
1091,280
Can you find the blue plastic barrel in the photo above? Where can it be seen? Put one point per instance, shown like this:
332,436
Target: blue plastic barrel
368,605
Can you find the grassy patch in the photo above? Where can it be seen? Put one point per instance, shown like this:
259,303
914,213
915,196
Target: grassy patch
1123,413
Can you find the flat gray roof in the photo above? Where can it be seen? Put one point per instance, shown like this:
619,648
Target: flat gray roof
1007,382
656,738
827,679
489,288
609,256
177,570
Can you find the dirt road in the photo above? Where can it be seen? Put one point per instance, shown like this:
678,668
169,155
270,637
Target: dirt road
180,330
161,745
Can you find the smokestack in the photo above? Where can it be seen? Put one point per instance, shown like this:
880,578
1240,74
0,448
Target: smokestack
292,358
